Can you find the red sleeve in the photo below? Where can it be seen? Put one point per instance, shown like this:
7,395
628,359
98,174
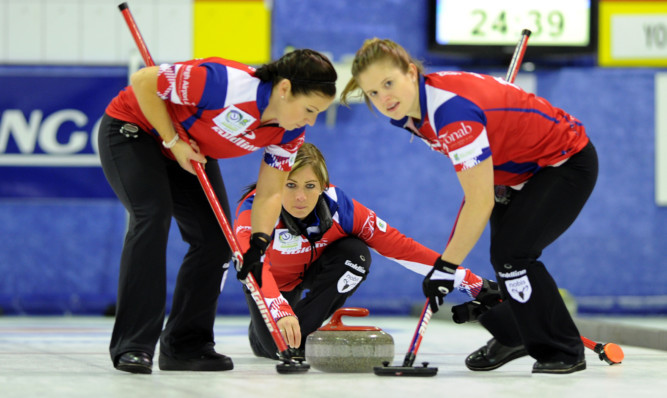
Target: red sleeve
181,84
390,242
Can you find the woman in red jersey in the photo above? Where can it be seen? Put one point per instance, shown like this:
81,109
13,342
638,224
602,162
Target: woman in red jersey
229,110
321,246
525,166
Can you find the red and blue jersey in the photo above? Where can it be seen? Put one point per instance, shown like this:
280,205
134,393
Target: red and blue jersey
288,256
219,103
470,117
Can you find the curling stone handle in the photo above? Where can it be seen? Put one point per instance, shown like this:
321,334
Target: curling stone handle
336,324
348,311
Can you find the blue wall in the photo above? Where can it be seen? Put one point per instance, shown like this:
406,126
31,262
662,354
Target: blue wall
59,256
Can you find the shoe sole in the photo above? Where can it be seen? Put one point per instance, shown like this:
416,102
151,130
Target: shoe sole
140,369
512,357
577,367
192,366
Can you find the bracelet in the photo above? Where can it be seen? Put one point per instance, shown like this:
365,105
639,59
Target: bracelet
171,143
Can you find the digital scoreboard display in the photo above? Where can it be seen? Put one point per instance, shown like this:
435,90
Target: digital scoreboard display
493,27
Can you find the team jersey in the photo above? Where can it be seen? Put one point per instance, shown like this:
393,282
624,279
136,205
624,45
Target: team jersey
289,257
470,117
219,103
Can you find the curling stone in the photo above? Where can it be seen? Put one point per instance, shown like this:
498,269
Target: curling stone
340,348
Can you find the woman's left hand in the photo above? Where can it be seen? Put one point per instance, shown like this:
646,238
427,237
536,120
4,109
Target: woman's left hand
291,331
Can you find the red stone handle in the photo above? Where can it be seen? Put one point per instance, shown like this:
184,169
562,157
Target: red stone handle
337,324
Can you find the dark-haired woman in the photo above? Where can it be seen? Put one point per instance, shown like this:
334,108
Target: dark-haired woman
229,110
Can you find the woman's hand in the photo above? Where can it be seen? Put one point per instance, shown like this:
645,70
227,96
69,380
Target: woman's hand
184,153
289,328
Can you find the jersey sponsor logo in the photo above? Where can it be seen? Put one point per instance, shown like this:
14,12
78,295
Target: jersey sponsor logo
238,141
355,267
234,121
382,226
306,249
286,241
513,274
185,85
47,140
468,156
348,282
457,135
520,288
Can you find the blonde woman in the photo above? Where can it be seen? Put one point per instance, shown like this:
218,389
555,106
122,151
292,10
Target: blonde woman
321,246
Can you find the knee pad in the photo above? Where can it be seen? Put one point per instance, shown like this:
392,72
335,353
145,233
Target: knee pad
514,281
356,263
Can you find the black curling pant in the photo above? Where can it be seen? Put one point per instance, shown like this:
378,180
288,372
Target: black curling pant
154,188
533,312
328,283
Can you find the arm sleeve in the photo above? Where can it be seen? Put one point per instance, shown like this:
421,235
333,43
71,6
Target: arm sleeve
389,242
282,156
461,127
182,84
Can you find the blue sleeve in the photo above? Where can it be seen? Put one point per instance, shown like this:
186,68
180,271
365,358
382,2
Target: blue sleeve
457,109
215,87
291,135
345,211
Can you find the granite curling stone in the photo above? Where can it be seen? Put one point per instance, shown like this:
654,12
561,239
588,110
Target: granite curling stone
339,348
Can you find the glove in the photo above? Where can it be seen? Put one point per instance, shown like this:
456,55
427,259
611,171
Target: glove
489,296
439,282
252,259
469,311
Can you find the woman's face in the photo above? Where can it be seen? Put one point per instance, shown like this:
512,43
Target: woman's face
301,192
297,111
392,92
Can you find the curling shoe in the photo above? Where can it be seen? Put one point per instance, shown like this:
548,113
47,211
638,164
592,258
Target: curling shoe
209,361
135,362
493,355
558,367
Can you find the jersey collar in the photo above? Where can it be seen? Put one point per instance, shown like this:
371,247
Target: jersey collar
263,95
422,106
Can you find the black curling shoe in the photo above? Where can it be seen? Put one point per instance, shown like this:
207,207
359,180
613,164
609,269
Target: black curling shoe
207,362
493,355
558,367
135,362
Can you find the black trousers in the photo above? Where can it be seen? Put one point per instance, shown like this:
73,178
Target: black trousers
533,312
328,280
154,188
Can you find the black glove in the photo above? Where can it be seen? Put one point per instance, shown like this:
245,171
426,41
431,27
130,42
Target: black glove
439,282
489,296
252,259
